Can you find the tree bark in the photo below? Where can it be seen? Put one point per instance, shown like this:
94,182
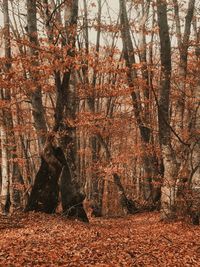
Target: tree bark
5,197
45,191
181,113
15,178
54,166
36,93
183,44
169,159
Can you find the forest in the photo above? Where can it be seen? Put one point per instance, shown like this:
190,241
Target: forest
99,131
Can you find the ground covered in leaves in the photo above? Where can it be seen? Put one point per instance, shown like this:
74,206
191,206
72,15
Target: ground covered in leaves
35,239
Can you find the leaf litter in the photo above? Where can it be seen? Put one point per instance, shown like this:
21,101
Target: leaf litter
36,239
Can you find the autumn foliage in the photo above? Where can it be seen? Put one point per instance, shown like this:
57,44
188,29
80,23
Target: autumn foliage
140,240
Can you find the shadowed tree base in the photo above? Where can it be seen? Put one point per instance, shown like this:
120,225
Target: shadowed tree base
128,204
45,191
72,199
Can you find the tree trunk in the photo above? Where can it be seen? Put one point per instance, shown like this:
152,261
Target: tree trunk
183,44
195,145
5,196
54,165
169,160
36,93
54,170
126,203
143,123
181,113
71,197
96,187
45,191
15,178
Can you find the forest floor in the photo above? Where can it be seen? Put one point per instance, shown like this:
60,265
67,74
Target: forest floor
36,239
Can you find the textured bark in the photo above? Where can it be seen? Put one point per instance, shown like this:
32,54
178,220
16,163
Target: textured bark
168,190
45,192
169,160
36,94
195,118
196,140
54,165
183,44
195,146
5,198
126,203
181,114
15,178
71,197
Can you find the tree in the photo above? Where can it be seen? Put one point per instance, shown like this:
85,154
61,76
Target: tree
150,163
45,191
169,160
11,176
36,94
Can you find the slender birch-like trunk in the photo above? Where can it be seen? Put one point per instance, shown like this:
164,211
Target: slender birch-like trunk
7,120
4,173
168,155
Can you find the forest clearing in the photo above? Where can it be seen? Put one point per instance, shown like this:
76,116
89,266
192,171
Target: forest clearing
141,240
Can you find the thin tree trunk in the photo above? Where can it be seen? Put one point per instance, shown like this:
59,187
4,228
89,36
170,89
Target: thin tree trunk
96,187
5,198
169,160
15,178
36,94
181,113
196,124
143,125
183,44
194,180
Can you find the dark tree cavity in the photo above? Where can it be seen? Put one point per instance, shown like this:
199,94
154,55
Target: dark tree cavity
45,192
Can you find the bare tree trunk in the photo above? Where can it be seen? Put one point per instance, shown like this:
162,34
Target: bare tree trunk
194,180
169,159
5,197
196,126
195,160
96,188
183,44
181,113
143,124
36,94
44,194
15,178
